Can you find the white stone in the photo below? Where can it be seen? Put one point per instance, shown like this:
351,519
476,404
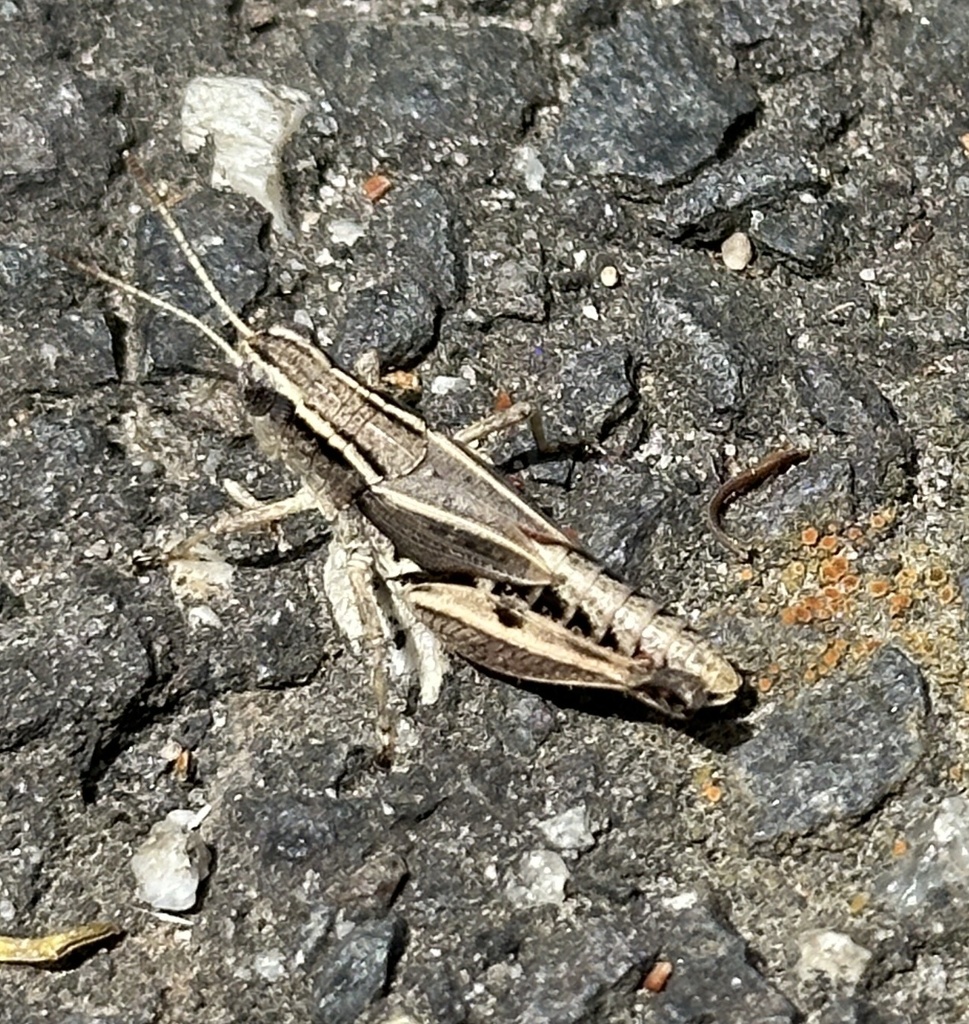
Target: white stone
609,276
569,830
832,953
172,862
249,123
346,232
736,251
541,878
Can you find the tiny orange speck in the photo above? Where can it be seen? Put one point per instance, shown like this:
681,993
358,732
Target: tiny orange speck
900,847
713,793
657,976
809,536
376,187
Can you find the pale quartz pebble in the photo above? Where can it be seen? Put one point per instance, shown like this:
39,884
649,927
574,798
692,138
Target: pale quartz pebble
832,953
569,830
530,168
736,251
609,276
172,862
541,878
346,232
249,124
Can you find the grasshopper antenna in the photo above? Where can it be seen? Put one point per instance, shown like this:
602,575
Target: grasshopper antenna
161,208
161,304
158,204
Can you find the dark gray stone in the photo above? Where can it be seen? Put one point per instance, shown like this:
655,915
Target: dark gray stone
420,237
506,276
649,108
398,319
72,674
82,497
226,234
848,404
720,198
349,977
54,124
713,977
805,236
407,90
580,972
782,38
838,750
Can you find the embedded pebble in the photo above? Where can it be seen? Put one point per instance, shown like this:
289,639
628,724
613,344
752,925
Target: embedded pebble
541,878
736,251
172,862
832,953
569,830
935,868
609,276
249,124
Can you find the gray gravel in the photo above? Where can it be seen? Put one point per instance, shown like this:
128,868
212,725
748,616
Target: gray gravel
529,855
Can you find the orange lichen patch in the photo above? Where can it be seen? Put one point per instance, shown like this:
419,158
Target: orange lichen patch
829,603
858,902
376,187
879,587
899,603
899,846
745,574
765,684
809,536
907,577
948,593
881,520
830,543
850,583
833,569
854,533
832,655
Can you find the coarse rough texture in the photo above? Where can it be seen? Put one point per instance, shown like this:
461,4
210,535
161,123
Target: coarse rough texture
529,144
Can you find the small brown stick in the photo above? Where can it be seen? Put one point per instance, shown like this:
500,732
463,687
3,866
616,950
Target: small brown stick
741,483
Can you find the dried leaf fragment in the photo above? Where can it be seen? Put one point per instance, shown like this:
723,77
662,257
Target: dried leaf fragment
48,950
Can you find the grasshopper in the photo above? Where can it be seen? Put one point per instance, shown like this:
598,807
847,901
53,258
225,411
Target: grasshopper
503,586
